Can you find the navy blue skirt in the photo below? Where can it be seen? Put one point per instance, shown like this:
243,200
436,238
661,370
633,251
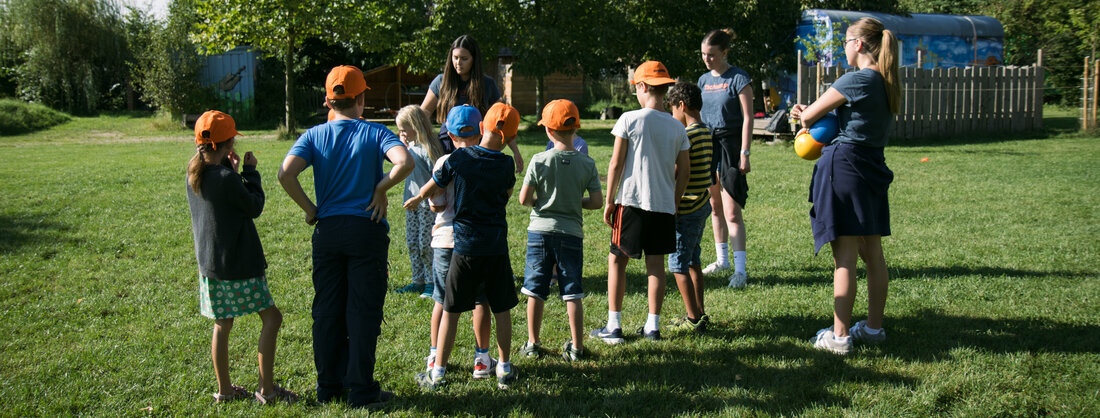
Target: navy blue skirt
848,192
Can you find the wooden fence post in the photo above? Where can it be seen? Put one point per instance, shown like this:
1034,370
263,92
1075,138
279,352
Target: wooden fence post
1095,82
1085,97
1040,90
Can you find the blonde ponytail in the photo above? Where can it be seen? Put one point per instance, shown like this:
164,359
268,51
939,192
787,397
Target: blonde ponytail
195,168
888,65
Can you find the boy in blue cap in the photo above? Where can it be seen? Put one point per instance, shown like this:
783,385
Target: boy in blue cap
483,178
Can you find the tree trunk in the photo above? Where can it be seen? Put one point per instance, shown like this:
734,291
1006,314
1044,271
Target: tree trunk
540,91
288,69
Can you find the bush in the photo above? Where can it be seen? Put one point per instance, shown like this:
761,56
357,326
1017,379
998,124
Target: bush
17,117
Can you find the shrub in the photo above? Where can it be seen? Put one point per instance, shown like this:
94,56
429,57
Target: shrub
17,117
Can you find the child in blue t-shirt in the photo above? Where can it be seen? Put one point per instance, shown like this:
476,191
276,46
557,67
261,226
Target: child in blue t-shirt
483,178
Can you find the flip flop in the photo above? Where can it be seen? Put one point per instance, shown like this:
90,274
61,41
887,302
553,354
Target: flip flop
238,393
280,395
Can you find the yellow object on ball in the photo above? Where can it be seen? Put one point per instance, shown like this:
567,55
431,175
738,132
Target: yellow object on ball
807,147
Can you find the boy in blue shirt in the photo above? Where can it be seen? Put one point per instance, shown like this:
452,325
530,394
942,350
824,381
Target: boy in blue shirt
351,240
483,179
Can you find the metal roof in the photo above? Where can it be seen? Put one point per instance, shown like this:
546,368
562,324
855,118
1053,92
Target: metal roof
918,23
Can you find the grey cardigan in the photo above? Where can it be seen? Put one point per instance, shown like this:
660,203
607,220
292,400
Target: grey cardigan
227,245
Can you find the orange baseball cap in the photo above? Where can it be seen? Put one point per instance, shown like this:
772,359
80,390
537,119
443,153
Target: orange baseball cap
652,73
561,115
345,82
214,127
502,120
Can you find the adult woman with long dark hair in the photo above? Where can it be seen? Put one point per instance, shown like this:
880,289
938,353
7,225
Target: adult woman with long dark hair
463,81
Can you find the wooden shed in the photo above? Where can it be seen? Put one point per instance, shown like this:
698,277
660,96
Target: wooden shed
519,91
391,87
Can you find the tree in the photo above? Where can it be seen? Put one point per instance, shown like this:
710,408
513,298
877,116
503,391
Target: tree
166,63
71,54
279,28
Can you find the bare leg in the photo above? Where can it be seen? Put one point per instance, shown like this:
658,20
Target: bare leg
616,281
437,316
735,222
483,325
272,319
687,292
717,216
504,335
447,327
535,308
655,269
878,279
219,351
845,254
576,322
696,274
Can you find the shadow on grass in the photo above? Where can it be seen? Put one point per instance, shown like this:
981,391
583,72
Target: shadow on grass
27,230
820,277
671,380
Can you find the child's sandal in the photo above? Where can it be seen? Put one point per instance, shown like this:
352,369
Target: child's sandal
238,393
280,395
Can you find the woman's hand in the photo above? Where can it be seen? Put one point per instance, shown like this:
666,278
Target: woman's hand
796,111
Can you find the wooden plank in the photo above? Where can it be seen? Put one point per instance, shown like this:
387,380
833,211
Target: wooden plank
953,101
938,101
1027,115
1039,90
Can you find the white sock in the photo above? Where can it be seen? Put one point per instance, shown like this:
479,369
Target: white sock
438,372
872,331
431,351
842,340
651,322
503,367
614,320
482,355
738,261
722,249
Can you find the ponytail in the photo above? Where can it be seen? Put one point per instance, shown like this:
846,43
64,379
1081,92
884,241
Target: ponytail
888,65
195,168
883,46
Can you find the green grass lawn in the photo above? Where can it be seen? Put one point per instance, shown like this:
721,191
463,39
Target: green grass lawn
994,304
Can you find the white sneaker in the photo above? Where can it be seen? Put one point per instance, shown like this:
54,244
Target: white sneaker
715,267
482,370
826,340
858,332
430,360
738,280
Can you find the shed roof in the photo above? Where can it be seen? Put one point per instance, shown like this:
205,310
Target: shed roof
918,23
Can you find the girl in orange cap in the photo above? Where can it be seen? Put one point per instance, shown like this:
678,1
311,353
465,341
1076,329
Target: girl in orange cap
231,260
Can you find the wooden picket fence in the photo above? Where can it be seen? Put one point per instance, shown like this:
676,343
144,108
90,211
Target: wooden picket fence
952,101
1088,94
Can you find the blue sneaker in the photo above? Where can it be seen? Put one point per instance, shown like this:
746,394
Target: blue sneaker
427,293
506,376
613,336
425,381
411,288
654,335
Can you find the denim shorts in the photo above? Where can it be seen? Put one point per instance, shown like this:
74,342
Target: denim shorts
441,264
544,251
689,232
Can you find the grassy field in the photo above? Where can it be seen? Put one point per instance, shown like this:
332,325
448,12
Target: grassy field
994,303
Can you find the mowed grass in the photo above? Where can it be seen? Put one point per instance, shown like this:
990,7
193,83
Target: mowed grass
994,304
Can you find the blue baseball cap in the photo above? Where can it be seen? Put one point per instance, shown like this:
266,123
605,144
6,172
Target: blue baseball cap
464,121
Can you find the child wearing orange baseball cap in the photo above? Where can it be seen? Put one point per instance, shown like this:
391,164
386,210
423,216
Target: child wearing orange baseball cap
231,260
483,179
554,187
646,177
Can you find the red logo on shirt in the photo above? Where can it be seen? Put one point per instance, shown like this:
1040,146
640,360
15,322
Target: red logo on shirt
712,87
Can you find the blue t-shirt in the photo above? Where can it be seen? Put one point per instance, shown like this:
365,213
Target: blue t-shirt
489,94
346,156
865,119
721,106
482,179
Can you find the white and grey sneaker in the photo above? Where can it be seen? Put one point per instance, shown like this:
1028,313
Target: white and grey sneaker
858,332
715,267
826,340
738,280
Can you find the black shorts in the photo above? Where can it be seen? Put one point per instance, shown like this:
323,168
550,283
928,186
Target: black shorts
470,275
731,178
635,231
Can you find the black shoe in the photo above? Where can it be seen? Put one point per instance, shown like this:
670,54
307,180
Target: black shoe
384,397
655,335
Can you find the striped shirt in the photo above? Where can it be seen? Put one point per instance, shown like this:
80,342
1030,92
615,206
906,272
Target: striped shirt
697,193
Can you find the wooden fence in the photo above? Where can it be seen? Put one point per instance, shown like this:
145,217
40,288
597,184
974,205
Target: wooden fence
951,101
1088,94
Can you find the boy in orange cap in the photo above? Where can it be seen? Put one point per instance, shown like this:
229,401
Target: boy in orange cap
483,179
646,177
351,239
554,187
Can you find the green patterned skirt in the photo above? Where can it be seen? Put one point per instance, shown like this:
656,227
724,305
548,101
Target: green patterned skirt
220,299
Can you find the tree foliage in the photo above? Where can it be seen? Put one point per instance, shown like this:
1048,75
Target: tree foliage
167,64
69,54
